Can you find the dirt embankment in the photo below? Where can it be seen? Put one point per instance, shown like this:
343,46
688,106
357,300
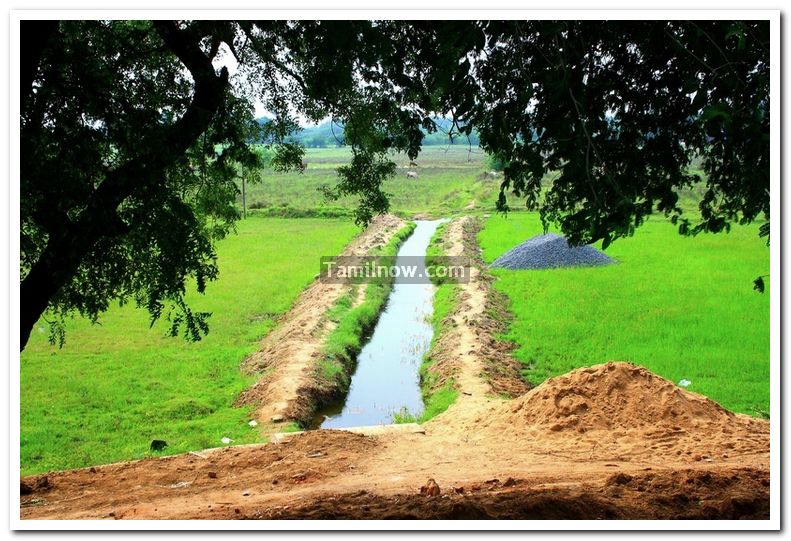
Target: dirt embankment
690,495
467,350
286,361
647,449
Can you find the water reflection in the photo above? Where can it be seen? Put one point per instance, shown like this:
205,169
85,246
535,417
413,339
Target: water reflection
387,375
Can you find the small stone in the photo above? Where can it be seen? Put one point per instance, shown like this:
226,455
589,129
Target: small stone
278,418
253,423
509,482
696,457
430,489
212,475
619,478
158,445
226,440
246,493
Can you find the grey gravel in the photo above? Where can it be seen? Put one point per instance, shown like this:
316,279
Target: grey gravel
551,251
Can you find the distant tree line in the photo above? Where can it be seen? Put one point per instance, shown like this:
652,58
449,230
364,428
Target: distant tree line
328,134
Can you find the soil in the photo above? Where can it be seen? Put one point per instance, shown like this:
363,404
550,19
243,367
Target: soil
286,361
468,351
608,441
503,459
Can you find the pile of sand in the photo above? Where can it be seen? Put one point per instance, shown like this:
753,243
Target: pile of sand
610,396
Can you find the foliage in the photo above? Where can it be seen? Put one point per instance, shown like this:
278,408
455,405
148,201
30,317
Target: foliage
131,139
673,304
116,386
620,109
123,188
495,162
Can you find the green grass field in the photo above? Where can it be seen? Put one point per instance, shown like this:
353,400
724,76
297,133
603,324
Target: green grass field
116,386
451,181
682,307
450,178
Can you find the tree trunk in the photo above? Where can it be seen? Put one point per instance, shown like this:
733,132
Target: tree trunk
70,243
44,280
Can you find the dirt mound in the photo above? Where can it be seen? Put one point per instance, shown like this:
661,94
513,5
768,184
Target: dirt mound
614,395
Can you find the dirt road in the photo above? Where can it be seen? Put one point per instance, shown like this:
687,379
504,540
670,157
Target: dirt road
718,468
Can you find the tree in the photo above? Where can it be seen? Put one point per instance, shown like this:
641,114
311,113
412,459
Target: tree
132,134
619,109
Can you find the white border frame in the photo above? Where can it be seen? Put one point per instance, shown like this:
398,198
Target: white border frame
774,523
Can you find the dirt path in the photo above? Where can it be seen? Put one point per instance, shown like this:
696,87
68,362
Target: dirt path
337,474
463,340
287,357
468,350
610,441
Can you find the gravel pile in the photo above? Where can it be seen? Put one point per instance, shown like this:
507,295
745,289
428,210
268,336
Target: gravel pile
551,251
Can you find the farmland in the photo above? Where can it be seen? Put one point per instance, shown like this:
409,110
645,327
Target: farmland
449,179
682,307
116,386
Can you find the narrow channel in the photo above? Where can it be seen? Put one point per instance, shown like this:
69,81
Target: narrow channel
387,378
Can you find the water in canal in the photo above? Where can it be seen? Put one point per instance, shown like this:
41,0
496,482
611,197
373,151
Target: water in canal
387,378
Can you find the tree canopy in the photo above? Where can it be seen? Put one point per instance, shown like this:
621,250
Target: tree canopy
132,132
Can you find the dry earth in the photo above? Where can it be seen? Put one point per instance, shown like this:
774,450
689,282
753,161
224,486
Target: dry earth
608,441
286,360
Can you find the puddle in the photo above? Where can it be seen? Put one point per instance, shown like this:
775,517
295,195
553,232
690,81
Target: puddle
387,377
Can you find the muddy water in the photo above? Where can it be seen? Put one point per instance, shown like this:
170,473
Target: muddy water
387,375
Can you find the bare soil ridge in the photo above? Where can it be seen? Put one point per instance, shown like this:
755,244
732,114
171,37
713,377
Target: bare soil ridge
467,350
286,360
